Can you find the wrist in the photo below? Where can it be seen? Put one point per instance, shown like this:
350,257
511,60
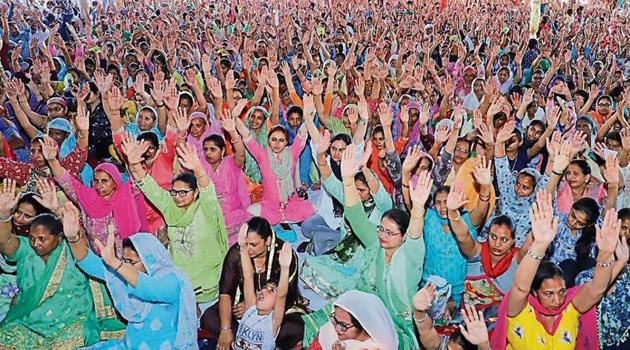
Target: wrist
539,248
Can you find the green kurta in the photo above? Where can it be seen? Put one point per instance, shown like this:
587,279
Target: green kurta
395,283
58,307
197,234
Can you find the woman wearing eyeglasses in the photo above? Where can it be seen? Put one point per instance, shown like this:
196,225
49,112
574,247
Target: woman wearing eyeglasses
352,326
394,254
195,226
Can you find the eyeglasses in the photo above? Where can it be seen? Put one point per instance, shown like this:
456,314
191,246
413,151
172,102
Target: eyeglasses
605,105
179,193
340,325
461,150
388,233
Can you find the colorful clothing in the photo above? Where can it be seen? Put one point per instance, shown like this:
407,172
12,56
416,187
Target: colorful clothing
395,283
160,309
57,307
525,331
198,239
255,331
565,198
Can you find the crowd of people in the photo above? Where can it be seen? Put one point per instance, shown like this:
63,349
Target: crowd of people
315,174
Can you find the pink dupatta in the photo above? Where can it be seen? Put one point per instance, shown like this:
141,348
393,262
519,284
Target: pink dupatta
211,129
587,328
126,209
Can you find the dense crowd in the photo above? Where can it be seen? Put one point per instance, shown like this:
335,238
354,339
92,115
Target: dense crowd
315,174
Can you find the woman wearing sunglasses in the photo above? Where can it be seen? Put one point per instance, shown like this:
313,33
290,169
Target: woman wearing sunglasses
353,326
195,226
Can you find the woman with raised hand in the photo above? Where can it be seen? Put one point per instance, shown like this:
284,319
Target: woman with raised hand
539,310
394,254
56,305
191,210
148,291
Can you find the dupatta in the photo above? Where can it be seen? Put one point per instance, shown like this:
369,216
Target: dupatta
587,334
158,263
126,209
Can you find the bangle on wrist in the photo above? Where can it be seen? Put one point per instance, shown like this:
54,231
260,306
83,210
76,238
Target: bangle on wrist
119,266
455,219
405,185
484,198
7,219
160,105
532,255
606,264
556,173
426,316
228,328
74,241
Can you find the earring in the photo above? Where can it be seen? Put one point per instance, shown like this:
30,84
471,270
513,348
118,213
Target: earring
268,247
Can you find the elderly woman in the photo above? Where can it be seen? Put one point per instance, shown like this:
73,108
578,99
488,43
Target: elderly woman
394,254
539,309
352,326
152,295
57,307
263,247
191,210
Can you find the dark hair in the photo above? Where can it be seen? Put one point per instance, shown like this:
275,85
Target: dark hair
281,129
441,189
295,109
29,198
187,178
546,270
50,222
127,243
260,226
589,207
613,135
217,140
400,217
623,214
581,93
186,96
537,122
583,165
343,137
378,129
504,220
151,137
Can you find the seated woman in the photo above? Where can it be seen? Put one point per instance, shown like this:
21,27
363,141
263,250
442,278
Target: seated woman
198,240
393,259
278,164
354,326
110,200
444,257
57,307
27,208
263,247
227,177
539,310
152,295
613,318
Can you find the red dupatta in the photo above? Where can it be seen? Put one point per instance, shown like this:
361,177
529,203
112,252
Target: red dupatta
501,266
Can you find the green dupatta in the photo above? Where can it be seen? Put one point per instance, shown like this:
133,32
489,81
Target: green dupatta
251,166
57,307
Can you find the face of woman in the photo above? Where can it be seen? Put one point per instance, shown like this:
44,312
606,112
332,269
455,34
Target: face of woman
145,120
277,142
414,115
197,127
294,120
478,87
625,228
603,106
440,204
462,148
524,185
613,145
42,241
24,215
583,126
378,140
58,135
256,120
103,184
132,258
503,76
56,110
183,194
505,60
575,178
257,246
551,293
186,104
363,189
534,132
342,321
212,152
500,240
389,235
577,219
336,150
37,157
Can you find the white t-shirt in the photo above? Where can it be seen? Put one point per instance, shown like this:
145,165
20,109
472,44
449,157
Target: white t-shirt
255,331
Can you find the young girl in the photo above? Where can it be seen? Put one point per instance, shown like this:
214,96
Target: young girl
264,310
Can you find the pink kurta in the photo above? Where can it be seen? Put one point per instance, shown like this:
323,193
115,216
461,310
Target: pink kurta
232,193
295,209
565,197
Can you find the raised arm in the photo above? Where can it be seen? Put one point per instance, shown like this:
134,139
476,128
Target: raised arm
228,123
544,228
419,195
482,175
189,159
561,160
249,293
286,255
454,202
322,163
9,243
606,237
